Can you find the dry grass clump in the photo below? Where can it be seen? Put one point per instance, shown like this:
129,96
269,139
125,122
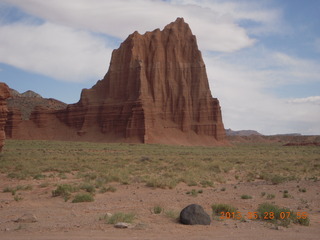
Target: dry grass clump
83,197
119,217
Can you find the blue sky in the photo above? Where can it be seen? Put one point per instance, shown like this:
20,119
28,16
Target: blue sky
262,57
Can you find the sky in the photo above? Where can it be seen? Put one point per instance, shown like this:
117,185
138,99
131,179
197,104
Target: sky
262,56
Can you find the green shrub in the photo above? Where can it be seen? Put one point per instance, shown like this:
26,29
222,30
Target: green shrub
64,190
39,176
13,190
271,196
8,189
88,187
277,179
17,198
83,197
45,184
206,183
111,189
221,207
120,217
245,196
157,209
194,192
302,190
286,195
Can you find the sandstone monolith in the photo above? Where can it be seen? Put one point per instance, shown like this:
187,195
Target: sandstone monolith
155,91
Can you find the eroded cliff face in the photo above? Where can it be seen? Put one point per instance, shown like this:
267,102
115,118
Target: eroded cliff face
156,91
4,94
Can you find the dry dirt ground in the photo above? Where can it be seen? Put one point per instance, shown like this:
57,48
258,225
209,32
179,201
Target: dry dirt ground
57,219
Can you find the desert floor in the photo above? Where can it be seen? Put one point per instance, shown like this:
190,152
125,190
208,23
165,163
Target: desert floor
57,219
26,190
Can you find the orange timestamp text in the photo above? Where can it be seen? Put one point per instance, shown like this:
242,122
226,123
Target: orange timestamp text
266,215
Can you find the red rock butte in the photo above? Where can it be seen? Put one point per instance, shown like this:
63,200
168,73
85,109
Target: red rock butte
4,94
155,91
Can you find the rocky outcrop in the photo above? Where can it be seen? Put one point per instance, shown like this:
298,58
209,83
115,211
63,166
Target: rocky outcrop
14,119
4,94
27,101
156,91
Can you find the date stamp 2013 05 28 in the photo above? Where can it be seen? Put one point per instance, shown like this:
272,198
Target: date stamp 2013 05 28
266,215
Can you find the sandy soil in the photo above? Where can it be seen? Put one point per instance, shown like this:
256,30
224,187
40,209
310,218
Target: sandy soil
57,219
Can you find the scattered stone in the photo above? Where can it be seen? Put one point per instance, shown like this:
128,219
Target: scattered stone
27,218
194,215
122,225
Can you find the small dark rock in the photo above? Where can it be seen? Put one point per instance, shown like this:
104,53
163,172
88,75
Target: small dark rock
193,215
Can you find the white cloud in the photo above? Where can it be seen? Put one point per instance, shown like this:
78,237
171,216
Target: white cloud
307,100
53,50
242,87
266,20
215,30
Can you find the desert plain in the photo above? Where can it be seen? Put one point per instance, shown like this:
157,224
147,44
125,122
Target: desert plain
72,190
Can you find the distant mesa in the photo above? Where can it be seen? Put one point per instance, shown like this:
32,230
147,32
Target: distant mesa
155,91
231,132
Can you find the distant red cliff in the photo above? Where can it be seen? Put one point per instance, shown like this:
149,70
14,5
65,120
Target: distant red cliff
4,94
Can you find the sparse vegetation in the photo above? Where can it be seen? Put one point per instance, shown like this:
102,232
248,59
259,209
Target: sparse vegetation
45,184
221,207
89,161
108,189
281,216
13,190
194,192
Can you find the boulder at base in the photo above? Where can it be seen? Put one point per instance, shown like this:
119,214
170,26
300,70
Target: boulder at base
194,215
